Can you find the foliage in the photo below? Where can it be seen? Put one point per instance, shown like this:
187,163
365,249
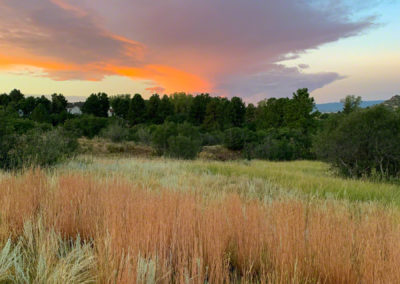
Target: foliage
115,131
351,103
86,125
36,148
362,143
97,105
183,147
234,138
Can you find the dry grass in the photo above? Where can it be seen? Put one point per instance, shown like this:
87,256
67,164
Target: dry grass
114,229
99,146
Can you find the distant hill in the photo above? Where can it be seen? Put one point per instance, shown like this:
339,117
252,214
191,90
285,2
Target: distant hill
335,107
393,103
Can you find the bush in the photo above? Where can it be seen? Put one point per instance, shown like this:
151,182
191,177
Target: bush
362,143
36,148
234,138
182,147
86,125
161,134
212,138
115,132
282,144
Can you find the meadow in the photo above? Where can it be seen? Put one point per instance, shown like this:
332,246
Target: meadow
141,220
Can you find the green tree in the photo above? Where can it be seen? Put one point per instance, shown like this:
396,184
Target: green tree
237,111
121,105
137,110
166,108
153,106
362,143
16,95
198,108
234,138
40,114
250,117
351,103
58,103
212,115
27,105
97,105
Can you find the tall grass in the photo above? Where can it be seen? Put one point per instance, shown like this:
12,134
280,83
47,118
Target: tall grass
77,226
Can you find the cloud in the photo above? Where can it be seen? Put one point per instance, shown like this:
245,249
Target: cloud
222,46
156,90
278,81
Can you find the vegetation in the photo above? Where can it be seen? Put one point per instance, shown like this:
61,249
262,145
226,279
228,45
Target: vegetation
108,220
355,142
362,143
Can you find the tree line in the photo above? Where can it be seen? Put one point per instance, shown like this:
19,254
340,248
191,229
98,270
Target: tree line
179,125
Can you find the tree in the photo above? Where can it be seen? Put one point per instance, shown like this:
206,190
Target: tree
212,115
271,113
97,105
137,110
40,114
250,117
298,111
234,138
16,95
27,105
237,111
4,99
121,105
198,109
153,106
58,103
362,143
351,103
166,108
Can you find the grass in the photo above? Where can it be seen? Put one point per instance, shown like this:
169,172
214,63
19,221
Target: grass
109,220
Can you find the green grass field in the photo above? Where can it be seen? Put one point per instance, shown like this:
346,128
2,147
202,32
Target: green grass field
253,179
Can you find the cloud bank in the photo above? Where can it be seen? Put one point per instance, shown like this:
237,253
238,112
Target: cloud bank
226,47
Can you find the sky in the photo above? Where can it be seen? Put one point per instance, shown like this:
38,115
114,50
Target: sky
254,49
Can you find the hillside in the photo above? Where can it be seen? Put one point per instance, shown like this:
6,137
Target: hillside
337,106
393,103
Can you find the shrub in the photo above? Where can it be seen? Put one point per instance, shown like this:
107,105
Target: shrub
212,138
362,143
161,135
86,125
115,132
36,148
234,138
182,147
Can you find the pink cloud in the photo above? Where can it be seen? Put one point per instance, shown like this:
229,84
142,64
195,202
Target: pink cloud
231,46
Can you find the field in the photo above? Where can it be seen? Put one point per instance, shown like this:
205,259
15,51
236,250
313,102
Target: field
116,220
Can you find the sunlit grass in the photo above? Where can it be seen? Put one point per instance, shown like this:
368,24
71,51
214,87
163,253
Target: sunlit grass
119,220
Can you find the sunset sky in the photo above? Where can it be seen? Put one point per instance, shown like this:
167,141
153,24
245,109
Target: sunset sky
255,49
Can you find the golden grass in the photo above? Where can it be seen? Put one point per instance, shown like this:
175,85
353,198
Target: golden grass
145,225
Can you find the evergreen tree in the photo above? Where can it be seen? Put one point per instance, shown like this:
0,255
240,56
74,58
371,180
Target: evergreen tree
237,111
153,106
97,105
197,111
58,103
121,105
166,108
137,110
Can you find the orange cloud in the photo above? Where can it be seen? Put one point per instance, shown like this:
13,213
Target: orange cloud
169,78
